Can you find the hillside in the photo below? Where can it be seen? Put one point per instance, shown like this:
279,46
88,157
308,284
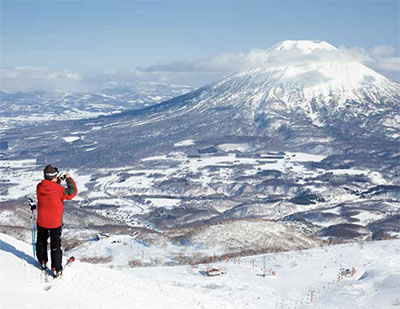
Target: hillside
374,284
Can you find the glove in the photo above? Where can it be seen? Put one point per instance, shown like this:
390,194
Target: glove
32,202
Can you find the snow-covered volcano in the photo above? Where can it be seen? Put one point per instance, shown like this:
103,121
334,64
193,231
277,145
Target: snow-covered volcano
309,78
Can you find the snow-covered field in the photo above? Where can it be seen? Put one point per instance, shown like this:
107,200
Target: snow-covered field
301,278
20,177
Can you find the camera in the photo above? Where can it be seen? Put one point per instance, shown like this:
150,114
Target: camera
61,175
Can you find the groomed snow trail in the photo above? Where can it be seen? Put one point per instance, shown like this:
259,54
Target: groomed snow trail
85,285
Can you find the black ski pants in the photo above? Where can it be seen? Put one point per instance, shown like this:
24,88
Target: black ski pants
43,235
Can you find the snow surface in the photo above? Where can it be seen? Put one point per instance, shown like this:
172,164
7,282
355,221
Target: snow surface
163,202
187,142
305,46
366,217
20,176
375,284
234,147
70,139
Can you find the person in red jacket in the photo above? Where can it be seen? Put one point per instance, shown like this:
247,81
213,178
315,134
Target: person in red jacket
50,197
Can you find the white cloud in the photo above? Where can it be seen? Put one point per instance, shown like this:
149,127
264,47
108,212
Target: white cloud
377,58
356,54
22,79
133,77
197,72
388,63
27,78
382,50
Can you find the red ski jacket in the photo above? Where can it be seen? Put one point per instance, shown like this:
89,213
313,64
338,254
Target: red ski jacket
51,196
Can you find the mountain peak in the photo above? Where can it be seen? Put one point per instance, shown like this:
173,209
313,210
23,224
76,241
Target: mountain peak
305,46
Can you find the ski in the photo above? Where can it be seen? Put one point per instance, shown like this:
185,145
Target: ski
44,277
56,279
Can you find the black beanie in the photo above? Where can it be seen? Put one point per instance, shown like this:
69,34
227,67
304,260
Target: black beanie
50,172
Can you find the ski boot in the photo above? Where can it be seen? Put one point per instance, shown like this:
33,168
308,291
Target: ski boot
57,273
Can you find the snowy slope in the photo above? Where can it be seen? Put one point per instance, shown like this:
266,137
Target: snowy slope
375,283
85,286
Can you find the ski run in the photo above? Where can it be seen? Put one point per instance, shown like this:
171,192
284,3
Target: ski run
353,275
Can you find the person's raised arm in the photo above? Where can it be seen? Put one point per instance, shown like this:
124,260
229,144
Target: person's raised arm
71,190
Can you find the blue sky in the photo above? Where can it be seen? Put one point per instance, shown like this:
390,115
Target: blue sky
94,36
